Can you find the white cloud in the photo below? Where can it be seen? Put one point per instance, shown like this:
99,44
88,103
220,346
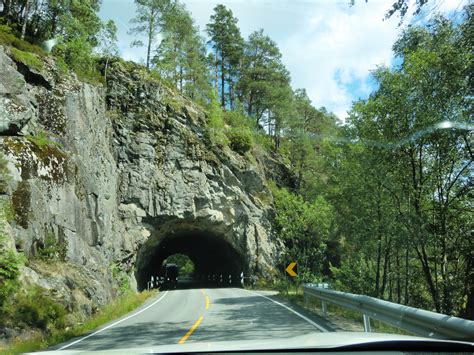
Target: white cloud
340,45
328,46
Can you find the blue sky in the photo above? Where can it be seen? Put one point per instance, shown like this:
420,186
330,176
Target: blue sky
328,46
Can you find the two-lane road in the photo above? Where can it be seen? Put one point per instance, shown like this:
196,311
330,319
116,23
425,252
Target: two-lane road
200,315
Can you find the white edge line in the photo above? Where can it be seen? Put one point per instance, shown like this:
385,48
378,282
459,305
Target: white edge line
114,324
291,310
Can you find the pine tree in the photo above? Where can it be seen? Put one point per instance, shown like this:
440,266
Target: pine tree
108,43
149,19
228,47
181,55
265,81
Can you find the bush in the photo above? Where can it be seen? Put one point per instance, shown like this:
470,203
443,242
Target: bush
215,124
240,134
240,139
121,279
41,140
29,59
10,264
52,249
37,308
28,47
77,54
8,38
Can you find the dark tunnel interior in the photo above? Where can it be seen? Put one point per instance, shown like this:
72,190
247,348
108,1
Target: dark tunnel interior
211,255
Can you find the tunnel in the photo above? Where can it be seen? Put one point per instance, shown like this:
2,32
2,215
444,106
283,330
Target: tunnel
216,261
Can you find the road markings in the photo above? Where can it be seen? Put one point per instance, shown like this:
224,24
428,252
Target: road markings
188,334
293,311
114,324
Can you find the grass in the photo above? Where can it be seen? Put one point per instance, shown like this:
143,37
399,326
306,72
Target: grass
42,140
8,38
31,60
123,305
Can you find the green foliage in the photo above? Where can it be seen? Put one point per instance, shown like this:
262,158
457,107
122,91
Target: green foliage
149,20
216,125
10,261
77,54
240,139
8,38
185,264
117,308
4,174
51,249
10,265
181,55
36,308
29,59
239,134
401,193
227,44
41,140
303,227
122,280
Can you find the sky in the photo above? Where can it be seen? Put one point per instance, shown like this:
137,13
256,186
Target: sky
329,47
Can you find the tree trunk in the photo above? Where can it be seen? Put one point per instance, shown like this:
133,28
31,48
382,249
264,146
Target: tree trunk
407,272
385,268
399,290
217,74
105,70
379,246
469,285
25,18
222,81
150,40
7,5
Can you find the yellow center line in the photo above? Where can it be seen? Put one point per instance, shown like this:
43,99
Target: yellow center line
188,334
207,302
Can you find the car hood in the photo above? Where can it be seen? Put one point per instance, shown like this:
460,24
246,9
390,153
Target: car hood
309,341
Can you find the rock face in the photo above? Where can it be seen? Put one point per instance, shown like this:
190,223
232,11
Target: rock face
106,183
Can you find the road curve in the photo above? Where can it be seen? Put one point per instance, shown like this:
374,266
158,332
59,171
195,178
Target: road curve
200,315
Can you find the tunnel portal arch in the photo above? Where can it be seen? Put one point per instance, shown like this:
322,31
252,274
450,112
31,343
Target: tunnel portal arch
209,251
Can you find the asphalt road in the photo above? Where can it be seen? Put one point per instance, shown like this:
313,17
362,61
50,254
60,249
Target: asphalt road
201,315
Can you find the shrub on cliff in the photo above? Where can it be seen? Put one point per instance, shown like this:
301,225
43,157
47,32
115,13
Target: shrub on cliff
215,124
240,132
37,308
240,139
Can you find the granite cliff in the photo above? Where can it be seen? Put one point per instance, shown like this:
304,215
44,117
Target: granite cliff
107,180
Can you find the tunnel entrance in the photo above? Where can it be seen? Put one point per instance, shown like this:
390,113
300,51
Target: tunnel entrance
216,262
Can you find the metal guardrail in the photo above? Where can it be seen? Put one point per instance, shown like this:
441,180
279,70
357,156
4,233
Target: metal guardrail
418,321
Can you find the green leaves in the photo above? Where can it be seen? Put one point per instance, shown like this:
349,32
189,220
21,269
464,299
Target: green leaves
404,187
227,44
303,228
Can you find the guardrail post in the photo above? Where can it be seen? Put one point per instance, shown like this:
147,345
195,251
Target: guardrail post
325,308
367,327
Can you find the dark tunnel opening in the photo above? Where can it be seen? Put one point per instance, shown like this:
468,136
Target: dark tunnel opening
216,262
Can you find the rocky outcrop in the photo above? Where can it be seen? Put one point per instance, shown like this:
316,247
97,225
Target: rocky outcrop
102,176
